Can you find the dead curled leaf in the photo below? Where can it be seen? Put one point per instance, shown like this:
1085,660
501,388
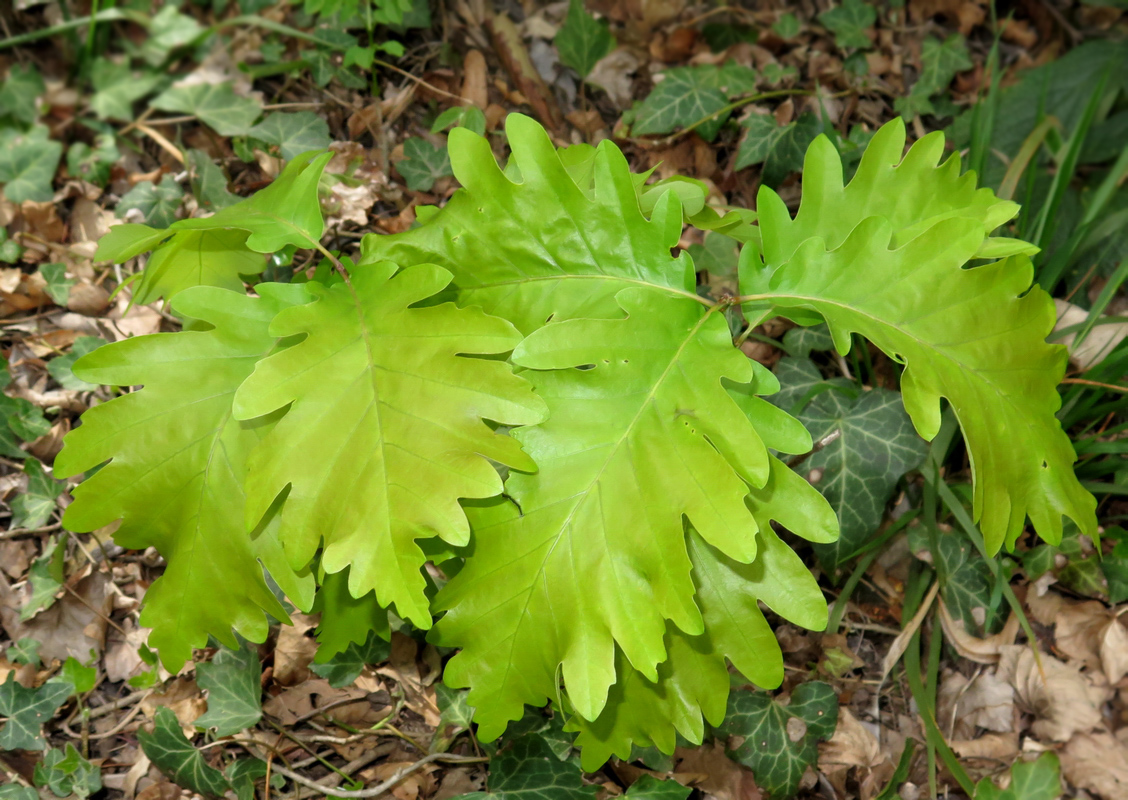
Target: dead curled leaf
1098,763
1064,702
984,701
981,651
854,746
1094,636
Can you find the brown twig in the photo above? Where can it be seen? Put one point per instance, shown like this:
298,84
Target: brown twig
379,789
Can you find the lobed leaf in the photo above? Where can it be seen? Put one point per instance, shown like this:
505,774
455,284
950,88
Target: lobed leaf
885,257
385,429
177,463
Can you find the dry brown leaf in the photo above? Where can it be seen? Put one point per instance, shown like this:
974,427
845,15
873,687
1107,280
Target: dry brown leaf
854,746
1098,763
612,74
1065,702
294,651
475,79
714,773
74,626
123,660
515,58
183,697
1100,341
998,747
981,651
984,701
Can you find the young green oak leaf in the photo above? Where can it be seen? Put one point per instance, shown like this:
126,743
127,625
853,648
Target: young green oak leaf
217,250
529,770
899,279
175,756
781,741
583,40
693,683
177,468
27,710
385,427
491,235
233,679
646,435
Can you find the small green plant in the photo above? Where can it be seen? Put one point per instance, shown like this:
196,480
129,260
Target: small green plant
528,391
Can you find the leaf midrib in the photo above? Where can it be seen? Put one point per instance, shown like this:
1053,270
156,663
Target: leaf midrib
587,491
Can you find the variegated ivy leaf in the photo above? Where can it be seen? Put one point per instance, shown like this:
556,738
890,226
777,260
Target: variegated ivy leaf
385,424
26,710
1035,780
528,770
779,148
185,497
175,756
583,40
967,587
858,471
695,95
781,741
885,257
233,680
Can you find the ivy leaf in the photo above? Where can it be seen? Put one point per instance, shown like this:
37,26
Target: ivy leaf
583,40
858,471
190,505
781,741
209,184
688,95
66,773
967,587
27,710
940,61
93,164
25,651
46,577
717,255
81,678
33,507
243,773
528,770
779,148
787,26
865,276
61,367
233,679
293,133
1034,780
27,164
1115,565
117,87
848,22
214,104
175,756
647,787
376,431
10,250
20,421
168,30
13,791
20,93
455,713
461,116
344,667
158,203
58,284
802,340
424,164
